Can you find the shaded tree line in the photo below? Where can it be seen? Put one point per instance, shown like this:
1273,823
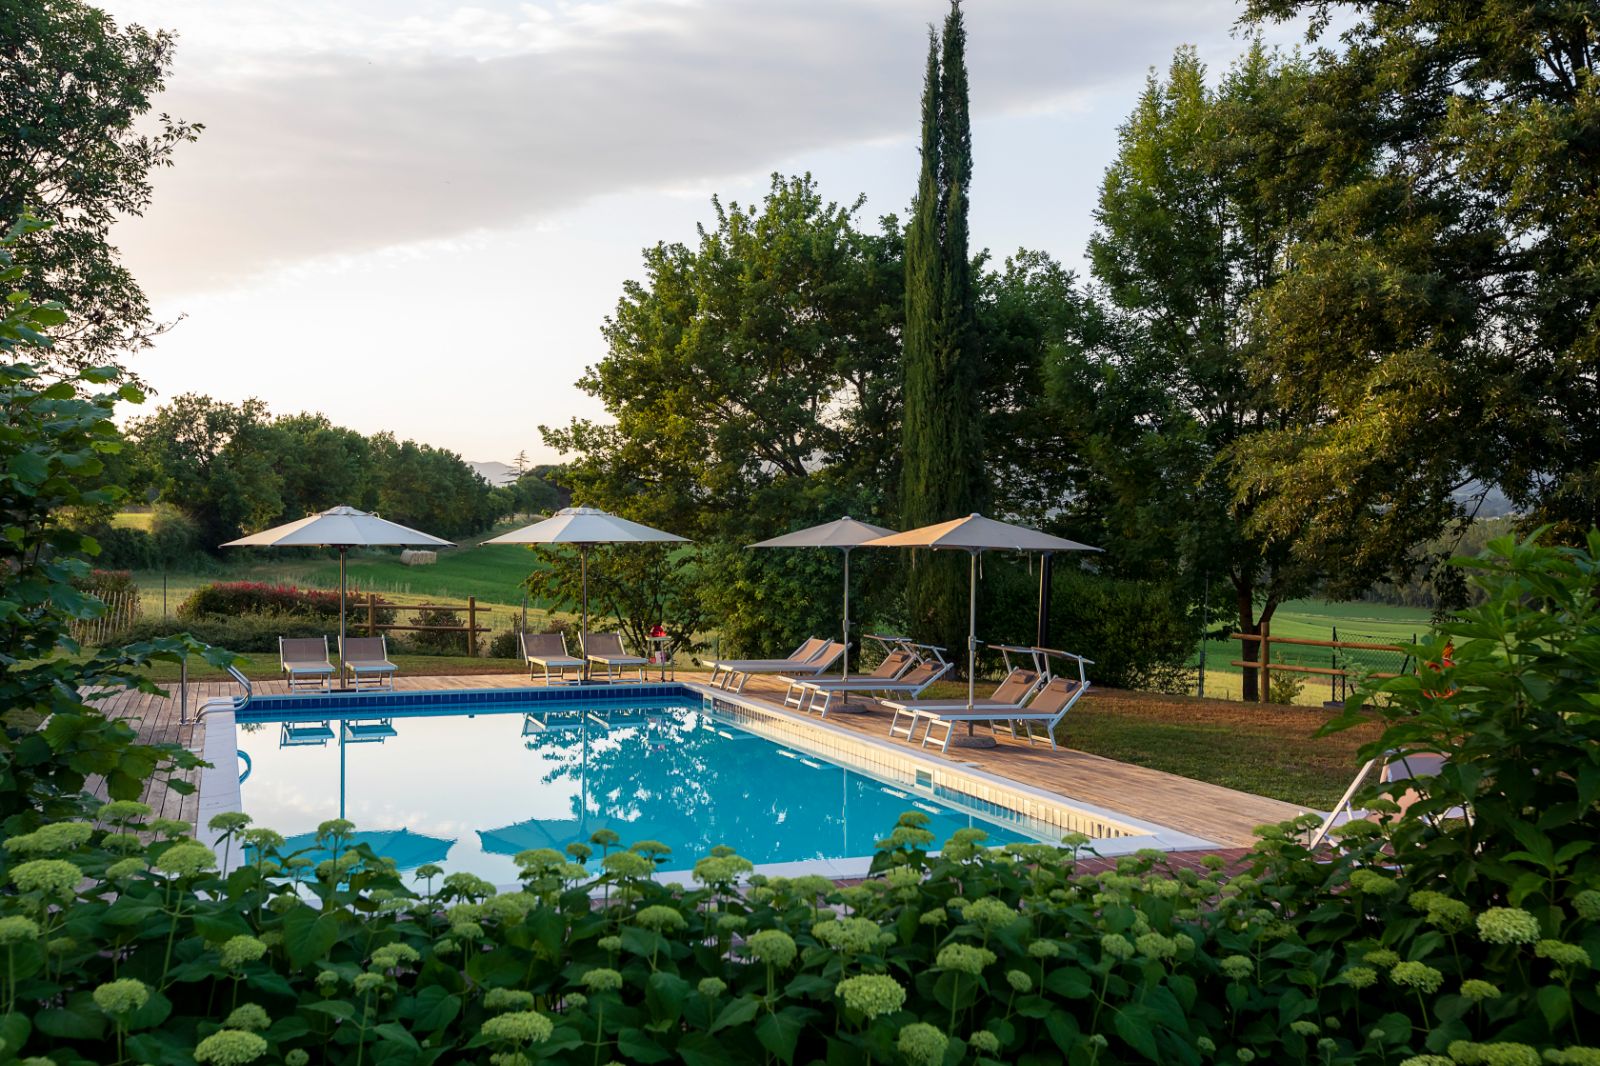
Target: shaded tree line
231,468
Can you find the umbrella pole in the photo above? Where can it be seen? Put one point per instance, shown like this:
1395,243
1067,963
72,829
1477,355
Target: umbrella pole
845,672
342,550
583,635
972,639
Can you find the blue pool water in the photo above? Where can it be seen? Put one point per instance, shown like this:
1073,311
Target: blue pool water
471,790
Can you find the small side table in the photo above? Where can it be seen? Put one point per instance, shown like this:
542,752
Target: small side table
667,670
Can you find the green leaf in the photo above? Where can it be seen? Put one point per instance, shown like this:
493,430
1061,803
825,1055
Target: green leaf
1554,1004
80,1019
1069,981
641,1046
435,1008
664,994
780,1033
308,935
739,1012
1133,1024
396,1033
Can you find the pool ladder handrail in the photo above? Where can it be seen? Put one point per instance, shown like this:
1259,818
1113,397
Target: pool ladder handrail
229,703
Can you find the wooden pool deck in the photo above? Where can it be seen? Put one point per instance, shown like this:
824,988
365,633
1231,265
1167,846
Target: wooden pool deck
1212,812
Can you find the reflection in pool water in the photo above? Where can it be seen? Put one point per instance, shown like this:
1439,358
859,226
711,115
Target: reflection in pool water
500,782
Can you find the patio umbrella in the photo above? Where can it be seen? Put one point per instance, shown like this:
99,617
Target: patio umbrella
584,527
343,528
406,849
845,533
975,535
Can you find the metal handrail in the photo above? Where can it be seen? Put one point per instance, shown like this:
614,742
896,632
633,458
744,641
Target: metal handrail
229,703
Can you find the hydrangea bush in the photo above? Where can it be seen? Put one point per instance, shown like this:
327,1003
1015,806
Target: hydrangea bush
1418,938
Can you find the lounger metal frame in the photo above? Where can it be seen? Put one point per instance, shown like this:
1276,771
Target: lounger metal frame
1005,716
926,655
615,666
305,674
563,662
370,675
729,669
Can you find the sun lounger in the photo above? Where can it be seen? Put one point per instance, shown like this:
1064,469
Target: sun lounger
1046,710
727,668
1010,695
605,649
366,662
547,652
305,662
908,686
894,664
742,670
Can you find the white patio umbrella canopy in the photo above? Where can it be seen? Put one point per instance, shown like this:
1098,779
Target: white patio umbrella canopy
584,527
975,535
343,528
845,534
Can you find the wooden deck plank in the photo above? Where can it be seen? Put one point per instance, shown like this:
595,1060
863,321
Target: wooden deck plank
1222,815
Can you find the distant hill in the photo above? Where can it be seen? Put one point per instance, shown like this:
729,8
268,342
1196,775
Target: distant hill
495,473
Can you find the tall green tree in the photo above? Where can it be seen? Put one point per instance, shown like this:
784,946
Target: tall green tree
942,440
1444,309
751,381
77,146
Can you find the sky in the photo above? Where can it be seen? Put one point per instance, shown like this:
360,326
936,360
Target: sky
414,215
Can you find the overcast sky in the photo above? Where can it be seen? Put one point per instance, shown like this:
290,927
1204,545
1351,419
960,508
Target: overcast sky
414,215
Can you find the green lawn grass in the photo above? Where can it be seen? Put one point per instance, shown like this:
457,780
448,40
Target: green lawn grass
1376,623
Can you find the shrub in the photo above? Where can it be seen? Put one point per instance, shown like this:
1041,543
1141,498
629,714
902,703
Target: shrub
440,643
258,597
504,645
239,633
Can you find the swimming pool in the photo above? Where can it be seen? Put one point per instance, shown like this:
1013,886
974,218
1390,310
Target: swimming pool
470,784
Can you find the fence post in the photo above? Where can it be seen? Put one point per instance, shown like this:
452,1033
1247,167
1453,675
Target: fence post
372,614
1266,661
472,625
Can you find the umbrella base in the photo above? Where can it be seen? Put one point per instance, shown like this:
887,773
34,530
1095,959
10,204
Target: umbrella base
974,740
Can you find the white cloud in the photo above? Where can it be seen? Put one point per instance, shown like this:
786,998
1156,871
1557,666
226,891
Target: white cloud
334,132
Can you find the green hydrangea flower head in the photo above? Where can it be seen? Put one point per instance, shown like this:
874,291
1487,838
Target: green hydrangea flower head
118,812
906,836
1567,956
1244,1054
711,987
123,869
1448,914
731,923
922,1044
579,851
249,1016
446,947
264,840
602,979
335,829
538,859
187,859
1019,981
428,871
964,958
504,999
661,918
1573,1056
1478,991
1427,1060
1373,883
848,936
1305,1028
1466,1053
467,931
1116,946
297,1057
604,838
53,839
15,929
933,916
1507,925
871,994
984,1042
989,914
391,956
230,1047
122,997
1156,946
1238,967
57,878
367,983
1418,975
228,822
327,981
1382,958
773,947
628,864
1205,1043
470,886
240,950
1044,949
610,944
903,876
123,843
518,1027
650,849
1587,904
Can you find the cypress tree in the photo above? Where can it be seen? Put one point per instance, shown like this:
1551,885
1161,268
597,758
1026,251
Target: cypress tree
942,455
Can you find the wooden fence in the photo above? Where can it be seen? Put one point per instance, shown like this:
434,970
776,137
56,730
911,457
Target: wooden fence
469,629
122,610
1340,676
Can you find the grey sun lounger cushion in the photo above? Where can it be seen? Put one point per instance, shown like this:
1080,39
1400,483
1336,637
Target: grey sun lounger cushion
548,651
367,660
1010,693
894,664
909,685
1046,710
804,655
742,669
305,660
607,648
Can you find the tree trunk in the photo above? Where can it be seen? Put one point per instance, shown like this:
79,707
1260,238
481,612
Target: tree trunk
1249,650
